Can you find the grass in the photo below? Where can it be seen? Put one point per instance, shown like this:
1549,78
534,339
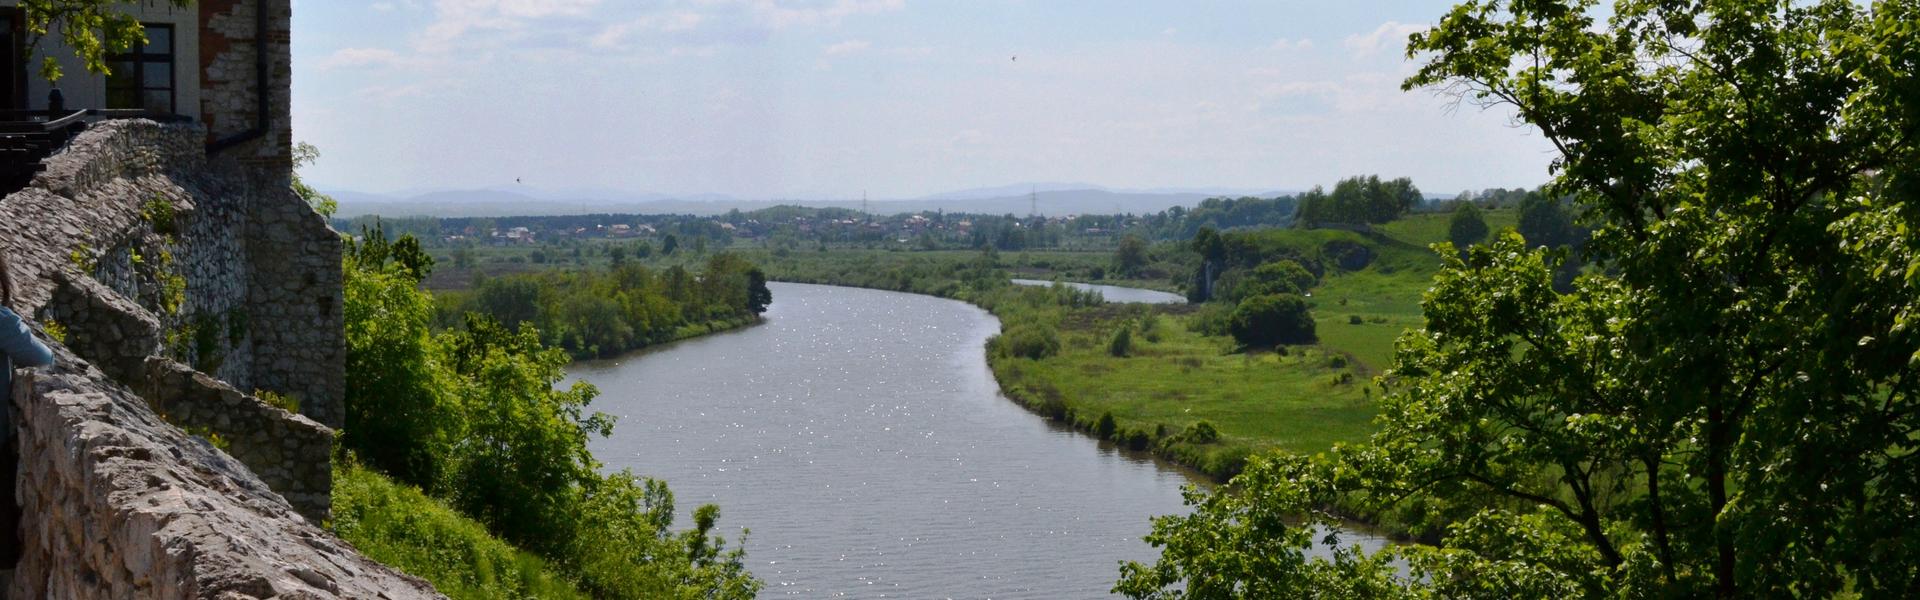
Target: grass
401,527
1302,401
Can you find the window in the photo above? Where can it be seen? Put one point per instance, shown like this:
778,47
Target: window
144,78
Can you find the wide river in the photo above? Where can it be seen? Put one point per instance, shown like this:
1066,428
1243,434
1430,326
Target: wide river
861,437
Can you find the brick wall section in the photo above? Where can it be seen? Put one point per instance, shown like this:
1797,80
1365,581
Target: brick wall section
119,504
228,43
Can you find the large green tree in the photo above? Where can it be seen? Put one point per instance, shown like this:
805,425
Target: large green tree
1726,409
1466,227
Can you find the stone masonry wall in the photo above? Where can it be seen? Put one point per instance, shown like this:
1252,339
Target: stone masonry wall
290,453
160,264
235,277
120,504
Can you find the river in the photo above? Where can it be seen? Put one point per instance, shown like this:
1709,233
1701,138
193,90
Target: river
861,437
1114,293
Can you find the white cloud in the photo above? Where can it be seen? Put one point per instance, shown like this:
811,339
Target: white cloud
453,19
1389,35
1287,44
616,35
848,47
352,58
781,15
383,7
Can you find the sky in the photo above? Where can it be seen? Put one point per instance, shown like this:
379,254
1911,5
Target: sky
829,99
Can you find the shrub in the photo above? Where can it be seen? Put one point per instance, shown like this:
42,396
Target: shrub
1027,340
1355,320
1212,318
1272,319
1201,432
1105,427
1122,343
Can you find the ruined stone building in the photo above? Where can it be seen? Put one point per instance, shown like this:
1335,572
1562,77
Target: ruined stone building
180,448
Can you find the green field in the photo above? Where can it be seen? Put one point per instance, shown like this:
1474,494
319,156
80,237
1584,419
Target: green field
1302,401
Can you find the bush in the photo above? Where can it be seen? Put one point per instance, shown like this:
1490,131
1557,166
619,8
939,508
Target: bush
1027,340
1106,426
1277,277
1354,320
1201,432
1122,343
403,528
1212,318
1271,320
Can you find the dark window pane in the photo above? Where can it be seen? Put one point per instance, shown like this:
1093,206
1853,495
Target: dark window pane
159,40
124,98
121,74
157,75
158,100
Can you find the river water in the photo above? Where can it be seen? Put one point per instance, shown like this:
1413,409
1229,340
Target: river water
1114,293
861,437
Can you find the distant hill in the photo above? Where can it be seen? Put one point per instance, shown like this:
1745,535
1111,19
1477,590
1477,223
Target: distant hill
504,203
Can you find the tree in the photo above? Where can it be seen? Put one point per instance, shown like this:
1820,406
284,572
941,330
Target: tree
94,29
305,154
1278,277
1727,408
1272,319
1213,254
758,296
668,245
1357,200
1466,227
1131,256
1122,343
1545,221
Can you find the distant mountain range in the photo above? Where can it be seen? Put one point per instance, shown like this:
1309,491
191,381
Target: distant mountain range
1050,199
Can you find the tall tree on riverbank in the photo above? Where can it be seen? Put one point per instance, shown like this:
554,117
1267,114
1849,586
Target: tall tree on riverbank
1728,409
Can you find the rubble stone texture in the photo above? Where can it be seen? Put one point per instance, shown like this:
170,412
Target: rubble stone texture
120,504
183,284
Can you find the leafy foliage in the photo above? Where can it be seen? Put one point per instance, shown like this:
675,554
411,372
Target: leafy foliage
1358,200
1272,319
1466,227
1725,408
474,417
92,28
594,314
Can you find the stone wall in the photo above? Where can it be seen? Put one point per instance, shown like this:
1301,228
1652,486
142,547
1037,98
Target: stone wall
230,274
120,504
193,282
290,453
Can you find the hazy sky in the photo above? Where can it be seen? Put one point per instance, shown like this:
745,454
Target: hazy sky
826,98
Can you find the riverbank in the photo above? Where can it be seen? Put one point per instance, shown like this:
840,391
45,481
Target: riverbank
1187,397
1193,398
